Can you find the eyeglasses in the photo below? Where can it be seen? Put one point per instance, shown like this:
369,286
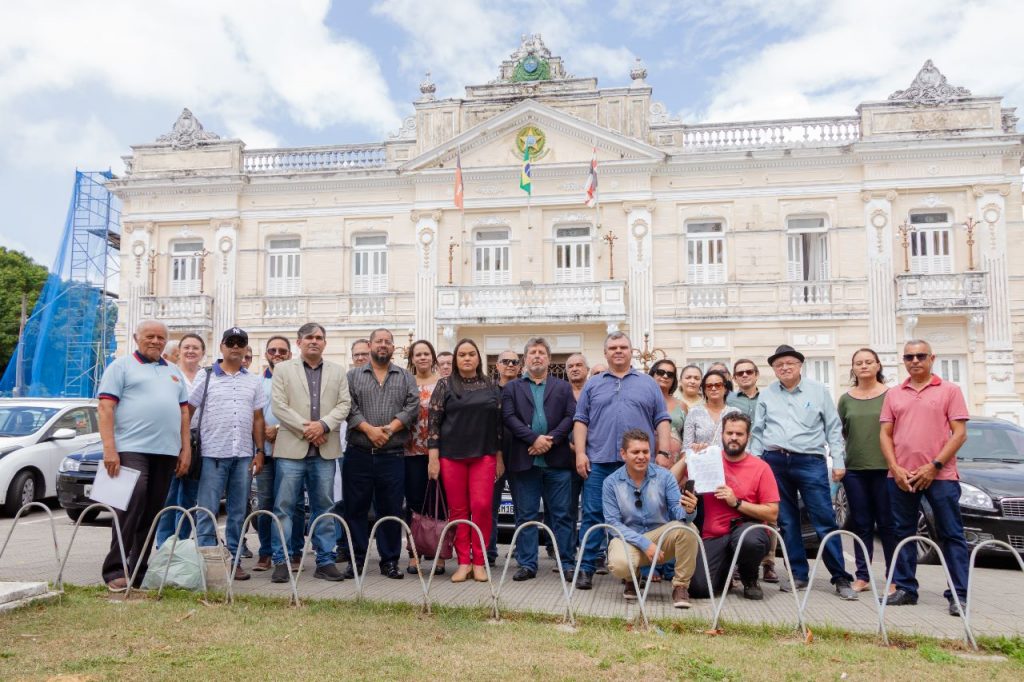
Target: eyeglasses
235,343
638,501
509,362
277,351
666,373
716,386
785,365
745,372
248,357
910,357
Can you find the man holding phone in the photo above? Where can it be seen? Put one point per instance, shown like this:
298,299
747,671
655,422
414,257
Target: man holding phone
750,496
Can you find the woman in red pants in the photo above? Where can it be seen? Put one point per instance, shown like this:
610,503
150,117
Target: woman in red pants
464,448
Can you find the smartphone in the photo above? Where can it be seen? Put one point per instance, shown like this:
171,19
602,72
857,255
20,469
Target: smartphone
690,485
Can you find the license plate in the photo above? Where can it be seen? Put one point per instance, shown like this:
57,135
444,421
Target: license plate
506,509
88,491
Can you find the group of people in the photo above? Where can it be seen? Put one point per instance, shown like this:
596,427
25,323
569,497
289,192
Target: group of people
608,445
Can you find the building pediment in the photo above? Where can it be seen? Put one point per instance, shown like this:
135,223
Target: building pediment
559,138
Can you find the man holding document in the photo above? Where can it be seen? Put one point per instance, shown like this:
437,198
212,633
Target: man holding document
738,490
143,411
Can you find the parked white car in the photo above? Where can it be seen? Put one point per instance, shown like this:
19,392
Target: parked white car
35,435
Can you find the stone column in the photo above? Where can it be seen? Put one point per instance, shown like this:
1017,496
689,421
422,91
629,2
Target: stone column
640,282
134,284
426,275
878,228
1001,399
223,257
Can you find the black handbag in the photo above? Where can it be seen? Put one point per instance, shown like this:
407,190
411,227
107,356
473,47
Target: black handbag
195,466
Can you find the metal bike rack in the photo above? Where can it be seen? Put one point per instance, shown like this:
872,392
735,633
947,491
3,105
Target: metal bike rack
632,570
970,568
487,566
284,544
871,578
74,534
53,530
968,635
732,567
348,536
700,549
194,536
558,560
369,542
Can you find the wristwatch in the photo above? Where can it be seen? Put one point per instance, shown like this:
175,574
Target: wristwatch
387,431
937,464
260,451
738,503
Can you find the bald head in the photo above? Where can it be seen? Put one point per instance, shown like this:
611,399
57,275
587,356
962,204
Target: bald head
151,338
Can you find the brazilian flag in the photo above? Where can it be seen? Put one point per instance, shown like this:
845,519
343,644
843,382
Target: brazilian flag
524,175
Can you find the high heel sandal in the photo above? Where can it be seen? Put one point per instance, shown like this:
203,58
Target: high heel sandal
462,573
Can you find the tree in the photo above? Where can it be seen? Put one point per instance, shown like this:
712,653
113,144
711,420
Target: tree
19,275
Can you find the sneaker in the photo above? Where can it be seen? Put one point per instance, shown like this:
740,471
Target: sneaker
350,571
629,592
768,573
117,585
900,598
328,572
953,610
280,574
601,566
524,574
263,564
788,585
845,590
753,591
246,552
680,597
585,581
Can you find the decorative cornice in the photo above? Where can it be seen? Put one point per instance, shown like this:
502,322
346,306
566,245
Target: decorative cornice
930,89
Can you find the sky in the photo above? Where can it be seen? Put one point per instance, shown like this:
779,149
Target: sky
82,81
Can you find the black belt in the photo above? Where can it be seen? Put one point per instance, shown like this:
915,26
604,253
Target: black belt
782,451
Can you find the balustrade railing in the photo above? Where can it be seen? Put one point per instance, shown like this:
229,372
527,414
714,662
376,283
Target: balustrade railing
296,159
532,300
177,310
811,132
956,291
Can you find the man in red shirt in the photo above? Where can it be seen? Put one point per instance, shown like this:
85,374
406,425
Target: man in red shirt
924,423
749,496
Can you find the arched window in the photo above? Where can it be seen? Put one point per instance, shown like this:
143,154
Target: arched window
185,268
283,267
370,264
490,257
572,255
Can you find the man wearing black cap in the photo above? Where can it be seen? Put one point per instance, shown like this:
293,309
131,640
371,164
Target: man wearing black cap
231,399
796,424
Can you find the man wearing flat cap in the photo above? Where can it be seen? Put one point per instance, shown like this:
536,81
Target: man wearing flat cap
795,426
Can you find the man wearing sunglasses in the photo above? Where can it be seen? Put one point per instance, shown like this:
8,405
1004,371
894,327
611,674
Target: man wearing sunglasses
924,423
745,376
642,500
509,368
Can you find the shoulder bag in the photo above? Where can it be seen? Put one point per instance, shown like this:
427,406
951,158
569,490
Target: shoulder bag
195,467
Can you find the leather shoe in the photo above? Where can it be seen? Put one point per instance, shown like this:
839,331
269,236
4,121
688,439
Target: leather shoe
349,572
900,598
789,585
389,569
263,564
680,597
952,608
328,572
524,574
844,590
280,574
753,591
241,573
768,573
585,581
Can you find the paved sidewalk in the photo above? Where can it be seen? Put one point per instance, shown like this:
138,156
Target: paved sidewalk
998,607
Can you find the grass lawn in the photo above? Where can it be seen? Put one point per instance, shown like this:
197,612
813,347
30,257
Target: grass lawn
88,636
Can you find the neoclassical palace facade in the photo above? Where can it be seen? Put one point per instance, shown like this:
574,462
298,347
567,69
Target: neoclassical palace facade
719,241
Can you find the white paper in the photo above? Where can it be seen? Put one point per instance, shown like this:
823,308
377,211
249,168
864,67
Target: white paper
706,469
114,491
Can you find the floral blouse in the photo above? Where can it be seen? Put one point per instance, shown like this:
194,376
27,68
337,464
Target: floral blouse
417,443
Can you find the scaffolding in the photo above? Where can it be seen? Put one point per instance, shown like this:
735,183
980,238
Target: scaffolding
69,338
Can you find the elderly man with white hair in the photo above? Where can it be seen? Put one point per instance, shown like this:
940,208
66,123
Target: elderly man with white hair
143,410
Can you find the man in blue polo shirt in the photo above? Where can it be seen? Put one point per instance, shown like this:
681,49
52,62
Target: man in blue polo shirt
143,411
610,404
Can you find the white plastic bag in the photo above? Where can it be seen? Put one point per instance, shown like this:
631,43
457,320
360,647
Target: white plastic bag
187,567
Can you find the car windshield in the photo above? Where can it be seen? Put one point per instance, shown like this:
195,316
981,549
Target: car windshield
993,441
23,420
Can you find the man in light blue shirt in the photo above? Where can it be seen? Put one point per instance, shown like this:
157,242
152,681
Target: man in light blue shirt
795,426
641,500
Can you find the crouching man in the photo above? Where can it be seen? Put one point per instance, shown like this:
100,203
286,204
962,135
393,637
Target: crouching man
642,500
750,496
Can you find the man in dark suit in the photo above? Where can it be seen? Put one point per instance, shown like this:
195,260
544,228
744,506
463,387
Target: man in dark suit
538,410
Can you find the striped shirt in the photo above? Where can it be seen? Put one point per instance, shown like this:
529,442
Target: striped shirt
227,422
397,398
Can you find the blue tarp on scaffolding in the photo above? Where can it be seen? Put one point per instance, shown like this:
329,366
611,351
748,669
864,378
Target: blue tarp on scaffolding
69,338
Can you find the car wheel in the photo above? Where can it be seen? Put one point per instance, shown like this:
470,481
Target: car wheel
73,514
21,492
926,553
841,507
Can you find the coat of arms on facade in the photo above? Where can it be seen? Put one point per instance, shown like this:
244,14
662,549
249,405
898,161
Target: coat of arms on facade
187,132
930,89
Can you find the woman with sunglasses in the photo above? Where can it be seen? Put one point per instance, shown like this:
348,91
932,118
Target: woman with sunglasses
704,422
464,447
866,469
423,366
689,383
664,373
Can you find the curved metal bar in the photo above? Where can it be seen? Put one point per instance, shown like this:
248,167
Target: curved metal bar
149,539
632,569
732,567
369,543
195,529
74,533
871,578
53,528
968,635
487,566
970,567
700,548
284,544
558,560
348,536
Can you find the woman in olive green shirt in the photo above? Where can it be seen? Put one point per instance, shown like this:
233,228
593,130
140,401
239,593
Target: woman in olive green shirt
866,470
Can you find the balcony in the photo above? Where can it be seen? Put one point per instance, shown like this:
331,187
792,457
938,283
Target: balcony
761,300
179,313
314,159
754,135
325,308
528,302
941,294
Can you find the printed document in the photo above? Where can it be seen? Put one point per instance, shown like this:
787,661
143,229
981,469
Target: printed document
706,469
114,491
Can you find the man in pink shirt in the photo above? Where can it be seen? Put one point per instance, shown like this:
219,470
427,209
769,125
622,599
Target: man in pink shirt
924,423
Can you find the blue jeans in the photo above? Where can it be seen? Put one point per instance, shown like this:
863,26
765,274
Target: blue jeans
316,474
555,487
264,525
593,512
183,492
227,476
378,479
868,495
808,475
944,498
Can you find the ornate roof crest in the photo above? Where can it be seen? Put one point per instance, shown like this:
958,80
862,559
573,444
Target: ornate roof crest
187,133
930,89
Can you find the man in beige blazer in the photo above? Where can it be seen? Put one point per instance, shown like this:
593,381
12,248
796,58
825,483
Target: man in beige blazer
311,400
